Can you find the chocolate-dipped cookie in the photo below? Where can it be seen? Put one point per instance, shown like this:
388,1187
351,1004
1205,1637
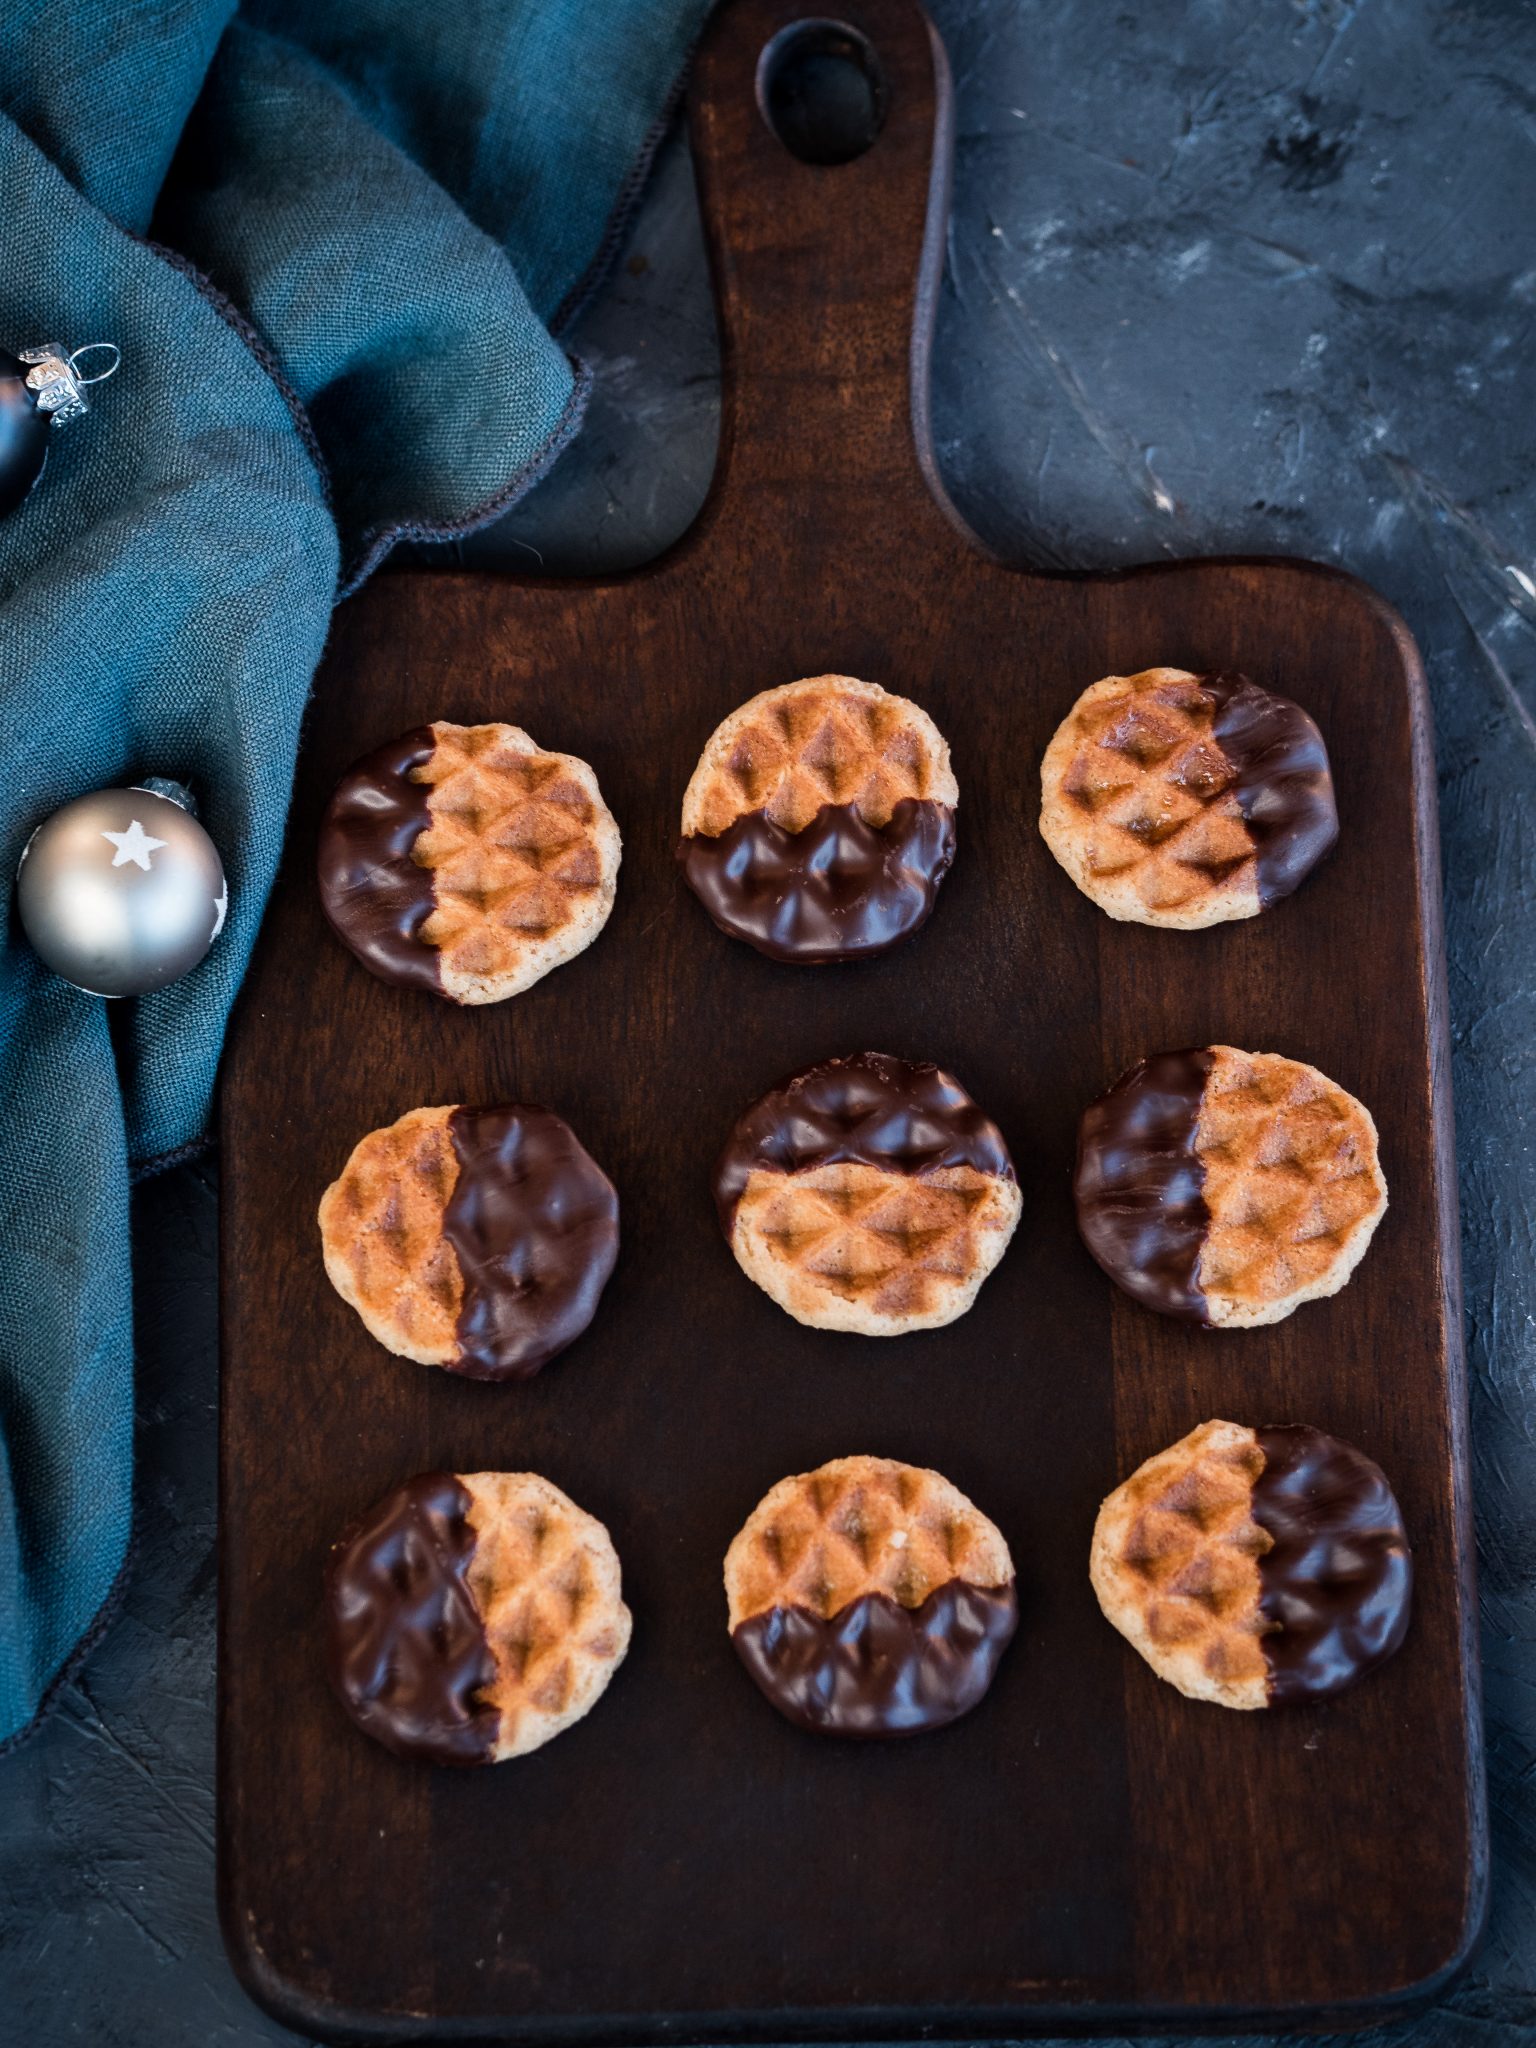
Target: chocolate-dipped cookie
472,1616
870,1598
1256,1567
476,1239
465,860
868,1194
820,821
1227,1187
1186,800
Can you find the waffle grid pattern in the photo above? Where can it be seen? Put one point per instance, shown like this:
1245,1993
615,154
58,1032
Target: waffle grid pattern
1175,1565
823,1539
546,1579
1292,1184
858,1247
1140,807
381,1229
826,740
523,855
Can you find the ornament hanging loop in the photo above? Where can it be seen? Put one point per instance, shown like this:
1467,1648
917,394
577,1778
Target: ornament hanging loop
92,348
54,382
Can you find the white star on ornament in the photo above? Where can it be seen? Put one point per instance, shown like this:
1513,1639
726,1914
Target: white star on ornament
133,845
220,912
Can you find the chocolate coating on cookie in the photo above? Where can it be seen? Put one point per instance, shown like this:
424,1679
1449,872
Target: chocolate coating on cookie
870,1109
375,896
1139,1178
1336,1584
1281,779
840,889
407,1646
534,1223
876,1668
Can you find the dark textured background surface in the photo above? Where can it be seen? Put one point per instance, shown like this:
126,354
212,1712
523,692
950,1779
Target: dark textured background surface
1221,278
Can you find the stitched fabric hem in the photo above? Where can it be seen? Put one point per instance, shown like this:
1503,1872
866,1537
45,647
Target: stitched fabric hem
242,325
141,1170
626,205
378,540
104,1617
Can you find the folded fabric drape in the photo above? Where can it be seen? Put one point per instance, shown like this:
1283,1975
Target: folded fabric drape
336,247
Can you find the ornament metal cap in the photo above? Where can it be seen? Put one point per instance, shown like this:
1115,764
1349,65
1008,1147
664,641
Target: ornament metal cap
57,383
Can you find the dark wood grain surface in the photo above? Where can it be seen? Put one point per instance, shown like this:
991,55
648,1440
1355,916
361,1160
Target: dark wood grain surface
1087,1848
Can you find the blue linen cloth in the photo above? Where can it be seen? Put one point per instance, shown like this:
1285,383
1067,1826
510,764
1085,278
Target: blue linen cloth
336,246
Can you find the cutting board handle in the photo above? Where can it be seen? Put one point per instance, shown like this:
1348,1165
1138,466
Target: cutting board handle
826,277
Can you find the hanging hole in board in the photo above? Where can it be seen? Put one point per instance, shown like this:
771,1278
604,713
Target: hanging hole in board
822,91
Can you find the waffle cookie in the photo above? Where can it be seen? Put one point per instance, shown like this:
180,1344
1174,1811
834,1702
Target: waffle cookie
870,1598
868,1194
473,1616
1227,1187
477,1239
1186,800
820,821
465,860
1253,1567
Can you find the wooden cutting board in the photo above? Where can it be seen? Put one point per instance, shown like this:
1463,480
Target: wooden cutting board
1087,1848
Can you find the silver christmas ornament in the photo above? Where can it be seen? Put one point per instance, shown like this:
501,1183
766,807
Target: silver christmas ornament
122,891
40,388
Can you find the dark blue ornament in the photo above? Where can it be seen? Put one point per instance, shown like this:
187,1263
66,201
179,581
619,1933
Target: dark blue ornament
40,389
24,431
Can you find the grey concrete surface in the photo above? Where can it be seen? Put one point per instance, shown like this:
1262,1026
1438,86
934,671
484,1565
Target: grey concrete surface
1222,276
